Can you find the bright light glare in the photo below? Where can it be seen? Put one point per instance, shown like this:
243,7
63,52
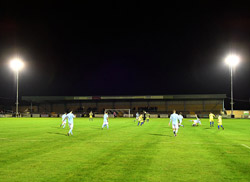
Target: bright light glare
16,64
232,60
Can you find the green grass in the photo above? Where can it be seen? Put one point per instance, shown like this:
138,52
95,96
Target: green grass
38,150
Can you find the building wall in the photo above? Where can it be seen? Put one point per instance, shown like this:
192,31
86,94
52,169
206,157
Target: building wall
237,113
158,106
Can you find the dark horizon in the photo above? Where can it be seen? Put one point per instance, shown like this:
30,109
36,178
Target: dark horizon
116,49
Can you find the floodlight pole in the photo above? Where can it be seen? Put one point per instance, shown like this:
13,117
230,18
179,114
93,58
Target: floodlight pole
17,93
232,102
16,65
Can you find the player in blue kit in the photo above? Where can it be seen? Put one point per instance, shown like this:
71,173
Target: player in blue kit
70,117
174,119
64,120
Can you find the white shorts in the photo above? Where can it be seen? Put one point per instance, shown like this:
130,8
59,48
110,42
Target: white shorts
71,125
175,126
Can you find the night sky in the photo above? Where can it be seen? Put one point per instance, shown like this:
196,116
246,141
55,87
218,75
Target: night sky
133,48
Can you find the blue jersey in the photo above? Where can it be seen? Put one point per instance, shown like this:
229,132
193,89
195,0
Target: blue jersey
70,117
63,117
174,118
105,118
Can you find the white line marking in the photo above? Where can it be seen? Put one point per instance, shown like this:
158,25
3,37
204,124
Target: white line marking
245,146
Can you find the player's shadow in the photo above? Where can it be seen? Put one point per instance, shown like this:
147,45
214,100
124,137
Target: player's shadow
56,127
96,128
57,133
156,134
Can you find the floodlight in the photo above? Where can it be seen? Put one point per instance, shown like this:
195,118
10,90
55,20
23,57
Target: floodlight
16,64
232,60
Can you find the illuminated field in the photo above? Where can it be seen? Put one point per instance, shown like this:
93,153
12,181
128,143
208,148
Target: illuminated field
39,150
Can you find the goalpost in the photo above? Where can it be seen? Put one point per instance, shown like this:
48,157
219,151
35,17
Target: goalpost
119,112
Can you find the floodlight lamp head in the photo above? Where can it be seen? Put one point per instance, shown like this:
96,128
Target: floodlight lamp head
232,60
16,64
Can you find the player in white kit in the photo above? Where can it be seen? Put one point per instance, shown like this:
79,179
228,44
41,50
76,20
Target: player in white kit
196,122
64,120
174,120
70,117
105,120
180,118
137,117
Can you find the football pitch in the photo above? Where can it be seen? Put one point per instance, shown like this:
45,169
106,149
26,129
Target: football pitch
37,149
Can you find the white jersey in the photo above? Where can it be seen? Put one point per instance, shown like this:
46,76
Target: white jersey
180,118
198,121
70,117
105,118
174,119
63,117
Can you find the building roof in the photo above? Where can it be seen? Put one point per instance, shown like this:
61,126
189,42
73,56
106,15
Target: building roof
138,97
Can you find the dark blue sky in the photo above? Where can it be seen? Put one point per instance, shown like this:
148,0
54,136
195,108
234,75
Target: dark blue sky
135,48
